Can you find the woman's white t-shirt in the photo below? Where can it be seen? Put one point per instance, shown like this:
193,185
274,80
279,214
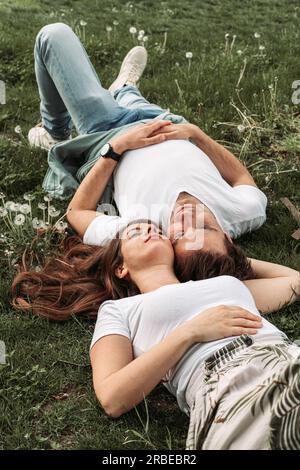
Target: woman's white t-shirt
146,319
148,181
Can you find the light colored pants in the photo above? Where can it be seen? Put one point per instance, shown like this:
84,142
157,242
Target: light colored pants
71,92
246,396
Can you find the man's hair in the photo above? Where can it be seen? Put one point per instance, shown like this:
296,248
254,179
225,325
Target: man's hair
200,264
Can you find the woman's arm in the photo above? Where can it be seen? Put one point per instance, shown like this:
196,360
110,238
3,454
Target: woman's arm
122,382
275,285
82,208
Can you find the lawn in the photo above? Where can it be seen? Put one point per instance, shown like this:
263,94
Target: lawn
237,86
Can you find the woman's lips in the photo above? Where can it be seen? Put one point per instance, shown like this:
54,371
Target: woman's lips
153,236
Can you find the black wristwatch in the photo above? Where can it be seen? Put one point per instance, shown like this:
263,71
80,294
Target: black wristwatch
108,152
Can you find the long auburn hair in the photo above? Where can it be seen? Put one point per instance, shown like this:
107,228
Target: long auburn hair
76,282
81,277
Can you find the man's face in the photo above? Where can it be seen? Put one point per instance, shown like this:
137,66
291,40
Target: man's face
194,227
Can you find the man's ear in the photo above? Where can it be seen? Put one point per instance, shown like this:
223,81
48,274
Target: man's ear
121,271
228,237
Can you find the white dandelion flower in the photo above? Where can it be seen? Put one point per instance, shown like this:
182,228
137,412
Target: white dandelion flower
25,208
29,197
3,212
53,212
189,55
256,35
9,205
61,226
36,223
132,30
15,207
19,219
83,23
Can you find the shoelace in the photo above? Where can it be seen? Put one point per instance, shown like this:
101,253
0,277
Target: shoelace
134,73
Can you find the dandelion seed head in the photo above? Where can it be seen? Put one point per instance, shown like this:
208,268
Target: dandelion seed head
83,23
132,30
261,47
25,208
42,206
226,35
189,55
145,38
241,128
29,197
256,35
3,212
115,23
18,130
19,219
108,29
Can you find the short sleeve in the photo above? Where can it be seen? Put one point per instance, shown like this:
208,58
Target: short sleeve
102,229
110,321
252,213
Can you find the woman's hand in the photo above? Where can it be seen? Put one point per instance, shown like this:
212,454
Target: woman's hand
140,136
177,131
221,322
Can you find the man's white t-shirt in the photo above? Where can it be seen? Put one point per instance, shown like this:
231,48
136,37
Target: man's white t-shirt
146,319
148,181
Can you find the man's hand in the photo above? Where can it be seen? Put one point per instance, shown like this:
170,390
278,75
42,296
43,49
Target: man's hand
140,136
176,131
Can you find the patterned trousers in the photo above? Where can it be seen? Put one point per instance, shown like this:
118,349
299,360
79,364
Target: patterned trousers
246,396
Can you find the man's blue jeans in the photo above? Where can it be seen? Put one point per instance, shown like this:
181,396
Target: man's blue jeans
71,92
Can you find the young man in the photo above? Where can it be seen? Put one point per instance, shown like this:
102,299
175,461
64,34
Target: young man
163,168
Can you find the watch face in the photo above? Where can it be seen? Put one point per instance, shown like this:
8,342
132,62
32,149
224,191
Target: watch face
104,150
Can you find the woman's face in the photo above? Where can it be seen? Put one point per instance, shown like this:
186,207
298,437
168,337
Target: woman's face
144,245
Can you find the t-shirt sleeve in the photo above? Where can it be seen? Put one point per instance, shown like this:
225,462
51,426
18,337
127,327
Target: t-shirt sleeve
110,321
252,205
103,228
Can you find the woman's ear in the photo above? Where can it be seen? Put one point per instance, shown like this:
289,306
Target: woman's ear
121,271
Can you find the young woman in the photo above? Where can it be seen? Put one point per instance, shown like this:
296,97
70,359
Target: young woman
235,374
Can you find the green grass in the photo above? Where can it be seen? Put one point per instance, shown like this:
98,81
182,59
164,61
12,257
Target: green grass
47,401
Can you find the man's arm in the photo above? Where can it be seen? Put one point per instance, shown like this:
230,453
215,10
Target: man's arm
275,285
231,169
82,208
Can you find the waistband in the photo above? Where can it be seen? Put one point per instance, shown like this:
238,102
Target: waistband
225,354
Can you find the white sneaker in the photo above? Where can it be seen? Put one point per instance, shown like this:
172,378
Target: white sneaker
39,137
131,69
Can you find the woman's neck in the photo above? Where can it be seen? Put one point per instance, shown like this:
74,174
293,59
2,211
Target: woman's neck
153,278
